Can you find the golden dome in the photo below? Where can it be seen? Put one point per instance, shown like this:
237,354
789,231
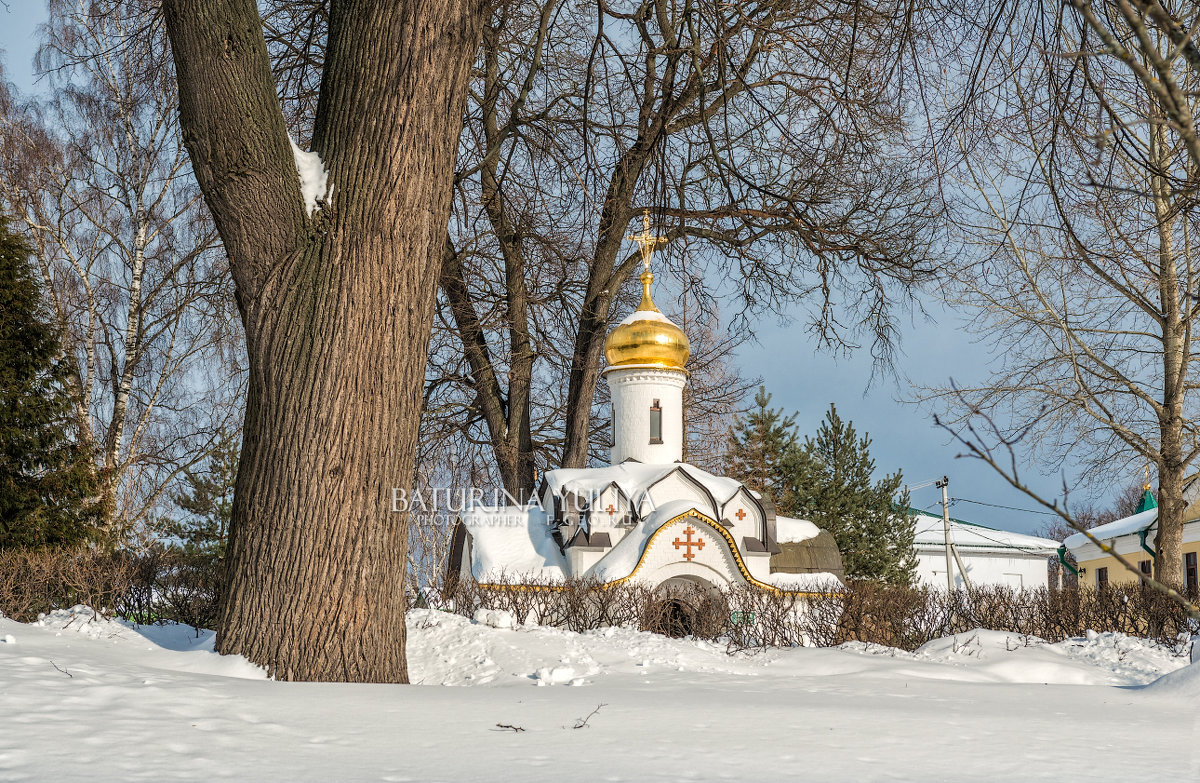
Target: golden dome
647,337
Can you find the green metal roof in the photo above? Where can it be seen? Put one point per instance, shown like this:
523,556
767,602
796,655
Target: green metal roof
918,512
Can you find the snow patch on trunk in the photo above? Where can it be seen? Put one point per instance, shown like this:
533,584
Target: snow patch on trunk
314,179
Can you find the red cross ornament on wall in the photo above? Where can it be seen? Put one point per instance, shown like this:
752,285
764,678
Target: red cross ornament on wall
741,514
611,508
688,543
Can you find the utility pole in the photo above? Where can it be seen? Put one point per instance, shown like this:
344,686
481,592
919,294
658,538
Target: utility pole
942,485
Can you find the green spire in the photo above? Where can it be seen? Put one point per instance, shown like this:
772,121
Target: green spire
1147,502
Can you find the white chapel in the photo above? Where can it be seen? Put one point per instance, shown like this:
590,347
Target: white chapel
648,516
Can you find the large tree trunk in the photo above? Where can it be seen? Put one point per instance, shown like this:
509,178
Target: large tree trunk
585,376
1168,560
337,309
514,446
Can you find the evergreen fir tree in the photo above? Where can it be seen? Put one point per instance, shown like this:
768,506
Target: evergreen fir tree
48,485
207,500
759,447
828,481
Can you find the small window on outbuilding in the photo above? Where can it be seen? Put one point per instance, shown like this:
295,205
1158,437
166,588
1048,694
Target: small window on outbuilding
656,423
1102,577
1145,566
1191,578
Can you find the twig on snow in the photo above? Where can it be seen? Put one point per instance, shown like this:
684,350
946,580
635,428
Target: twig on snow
582,723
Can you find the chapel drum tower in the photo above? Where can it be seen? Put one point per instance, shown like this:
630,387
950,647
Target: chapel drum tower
646,356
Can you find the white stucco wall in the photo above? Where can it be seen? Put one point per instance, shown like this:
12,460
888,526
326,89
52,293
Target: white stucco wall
712,562
1022,571
676,485
750,523
633,390
580,559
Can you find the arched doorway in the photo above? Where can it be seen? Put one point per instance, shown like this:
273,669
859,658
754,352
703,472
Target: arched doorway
686,606
672,617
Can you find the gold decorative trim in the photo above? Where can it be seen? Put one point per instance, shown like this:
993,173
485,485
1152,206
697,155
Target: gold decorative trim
737,559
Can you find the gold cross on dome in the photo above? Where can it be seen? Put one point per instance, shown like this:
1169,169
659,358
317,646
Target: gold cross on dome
646,240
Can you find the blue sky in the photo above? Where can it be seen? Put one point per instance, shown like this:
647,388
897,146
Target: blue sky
799,378
18,33
903,435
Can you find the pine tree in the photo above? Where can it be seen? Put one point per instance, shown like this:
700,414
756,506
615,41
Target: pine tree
759,447
207,500
829,481
48,486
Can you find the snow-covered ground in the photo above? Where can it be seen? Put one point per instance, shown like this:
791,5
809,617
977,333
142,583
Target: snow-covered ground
87,699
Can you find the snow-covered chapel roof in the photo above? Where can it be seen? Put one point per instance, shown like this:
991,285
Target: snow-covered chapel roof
794,531
625,556
523,544
633,479
512,543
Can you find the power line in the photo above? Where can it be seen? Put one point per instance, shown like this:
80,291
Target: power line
1008,545
918,485
997,505
975,529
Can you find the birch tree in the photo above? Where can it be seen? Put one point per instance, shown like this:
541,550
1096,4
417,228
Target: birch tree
98,178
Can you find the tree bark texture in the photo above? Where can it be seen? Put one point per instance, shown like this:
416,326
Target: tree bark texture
1176,358
337,309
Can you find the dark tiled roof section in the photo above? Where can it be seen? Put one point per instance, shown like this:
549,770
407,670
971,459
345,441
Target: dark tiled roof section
595,540
752,544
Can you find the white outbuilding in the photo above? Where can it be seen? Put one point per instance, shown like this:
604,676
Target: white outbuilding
990,556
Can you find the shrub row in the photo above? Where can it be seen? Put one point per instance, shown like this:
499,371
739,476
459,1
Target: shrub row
162,585
168,585
906,618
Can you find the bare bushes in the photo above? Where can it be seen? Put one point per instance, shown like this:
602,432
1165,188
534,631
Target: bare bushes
749,618
908,618
37,581
577,604
162,585
169,585
742,617
174,586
